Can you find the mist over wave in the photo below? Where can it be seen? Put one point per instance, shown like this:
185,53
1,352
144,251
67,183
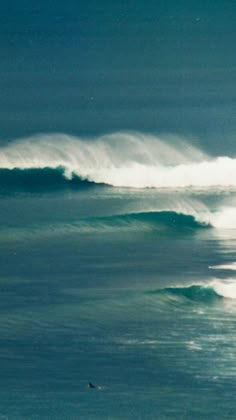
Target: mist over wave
122,160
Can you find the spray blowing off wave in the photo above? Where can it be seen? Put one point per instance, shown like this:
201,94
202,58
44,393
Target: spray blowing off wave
122,160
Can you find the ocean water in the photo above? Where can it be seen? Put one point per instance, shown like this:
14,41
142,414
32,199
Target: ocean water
117,210
121,274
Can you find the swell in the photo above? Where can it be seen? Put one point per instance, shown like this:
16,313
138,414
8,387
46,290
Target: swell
162,219
135,223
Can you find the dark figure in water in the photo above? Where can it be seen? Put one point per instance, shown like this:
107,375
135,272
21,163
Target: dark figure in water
90,385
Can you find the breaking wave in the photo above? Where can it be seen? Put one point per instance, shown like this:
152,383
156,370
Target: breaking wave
119,160
211,292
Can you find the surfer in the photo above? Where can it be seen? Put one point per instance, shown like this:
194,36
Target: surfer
91,386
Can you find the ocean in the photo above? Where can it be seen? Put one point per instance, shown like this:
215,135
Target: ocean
127,286
117,210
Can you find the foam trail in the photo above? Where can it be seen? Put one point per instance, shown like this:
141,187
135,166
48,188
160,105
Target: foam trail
231,266
123,160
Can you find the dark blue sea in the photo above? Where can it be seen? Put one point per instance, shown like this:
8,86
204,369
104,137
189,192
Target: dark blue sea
117,210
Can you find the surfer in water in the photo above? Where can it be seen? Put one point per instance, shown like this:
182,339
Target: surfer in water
91,386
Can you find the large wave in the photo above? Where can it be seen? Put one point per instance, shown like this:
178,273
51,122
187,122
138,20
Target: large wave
122,160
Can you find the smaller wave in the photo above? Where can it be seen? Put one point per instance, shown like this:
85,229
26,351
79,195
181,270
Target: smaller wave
196,293
164,221
168,223
211,292
167,219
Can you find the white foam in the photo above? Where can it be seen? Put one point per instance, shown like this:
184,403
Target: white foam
225,288
225,217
